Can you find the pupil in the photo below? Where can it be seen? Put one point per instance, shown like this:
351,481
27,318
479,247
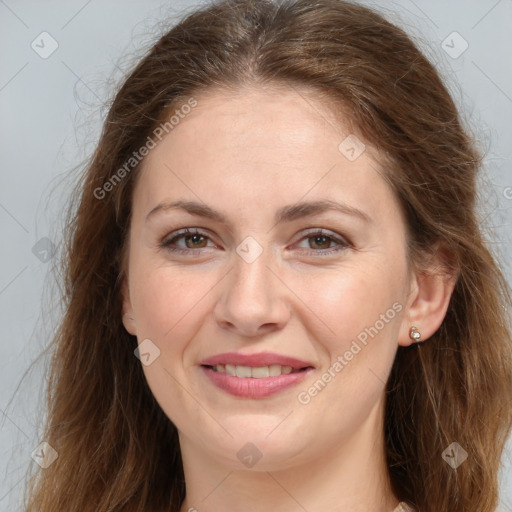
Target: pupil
321,240
195,239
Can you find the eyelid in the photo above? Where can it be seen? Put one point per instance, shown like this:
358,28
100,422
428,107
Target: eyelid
342,241
181,233
324,232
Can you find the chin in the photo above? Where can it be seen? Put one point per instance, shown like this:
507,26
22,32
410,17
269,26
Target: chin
258,450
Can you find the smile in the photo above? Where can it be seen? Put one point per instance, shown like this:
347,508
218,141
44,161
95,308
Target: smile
254,382
256,372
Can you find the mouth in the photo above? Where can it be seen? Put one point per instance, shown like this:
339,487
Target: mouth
255,372
254,376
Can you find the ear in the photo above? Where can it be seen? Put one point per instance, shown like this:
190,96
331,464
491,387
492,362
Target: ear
430,292
128,314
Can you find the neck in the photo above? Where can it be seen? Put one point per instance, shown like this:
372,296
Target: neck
351,476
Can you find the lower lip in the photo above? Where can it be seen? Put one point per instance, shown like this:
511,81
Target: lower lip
249,387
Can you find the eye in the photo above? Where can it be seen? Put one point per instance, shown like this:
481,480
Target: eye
193,239
320,242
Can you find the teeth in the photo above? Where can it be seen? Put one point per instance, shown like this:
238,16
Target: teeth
260,372
256,372
243,371
275,370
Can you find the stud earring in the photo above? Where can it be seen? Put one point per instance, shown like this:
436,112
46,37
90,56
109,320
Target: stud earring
414,334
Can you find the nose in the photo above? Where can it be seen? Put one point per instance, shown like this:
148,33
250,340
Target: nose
253,300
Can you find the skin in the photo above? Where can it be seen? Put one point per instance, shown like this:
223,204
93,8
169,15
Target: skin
248,153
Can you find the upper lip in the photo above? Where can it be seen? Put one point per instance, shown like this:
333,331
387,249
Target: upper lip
260,359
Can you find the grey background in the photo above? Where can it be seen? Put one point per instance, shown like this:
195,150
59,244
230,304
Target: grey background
51,114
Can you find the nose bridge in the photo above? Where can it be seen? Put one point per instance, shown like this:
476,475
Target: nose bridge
251,293
251,275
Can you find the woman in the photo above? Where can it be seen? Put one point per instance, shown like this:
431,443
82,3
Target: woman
277,293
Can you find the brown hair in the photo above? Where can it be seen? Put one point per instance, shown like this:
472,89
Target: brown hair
117,449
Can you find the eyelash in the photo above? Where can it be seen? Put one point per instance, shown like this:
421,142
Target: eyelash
343,244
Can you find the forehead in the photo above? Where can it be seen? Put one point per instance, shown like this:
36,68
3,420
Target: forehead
267,117
257,146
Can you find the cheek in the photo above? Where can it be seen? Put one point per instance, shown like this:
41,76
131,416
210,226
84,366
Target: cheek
363,307
360,311
167,302
170,308
350,299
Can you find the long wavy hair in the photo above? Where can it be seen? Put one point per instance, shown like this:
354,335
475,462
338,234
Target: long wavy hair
117,450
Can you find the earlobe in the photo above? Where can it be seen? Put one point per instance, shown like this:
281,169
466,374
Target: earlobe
128,314
430,296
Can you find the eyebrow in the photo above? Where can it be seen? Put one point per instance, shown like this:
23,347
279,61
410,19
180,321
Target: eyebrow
285,214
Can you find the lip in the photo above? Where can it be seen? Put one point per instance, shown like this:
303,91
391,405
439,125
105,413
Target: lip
250,387
260,359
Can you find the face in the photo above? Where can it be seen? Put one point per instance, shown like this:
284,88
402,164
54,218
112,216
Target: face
307,302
